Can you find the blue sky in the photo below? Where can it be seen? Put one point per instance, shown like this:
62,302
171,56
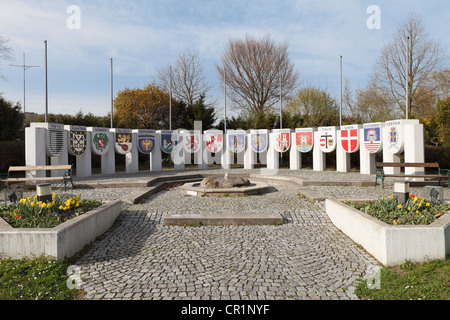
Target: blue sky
144,36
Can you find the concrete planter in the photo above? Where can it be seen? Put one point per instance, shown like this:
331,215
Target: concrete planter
390,244
62,241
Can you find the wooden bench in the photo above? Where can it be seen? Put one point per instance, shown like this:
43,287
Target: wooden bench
442,173
65,177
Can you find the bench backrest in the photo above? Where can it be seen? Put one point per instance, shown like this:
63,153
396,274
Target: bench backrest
403,165
40,168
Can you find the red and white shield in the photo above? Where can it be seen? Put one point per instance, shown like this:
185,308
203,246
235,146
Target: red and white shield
282,139
327,139
350,138
191,141
213,140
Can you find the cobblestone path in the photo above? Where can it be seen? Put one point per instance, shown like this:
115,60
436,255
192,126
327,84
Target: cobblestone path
140,258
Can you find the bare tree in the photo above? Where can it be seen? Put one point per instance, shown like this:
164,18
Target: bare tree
5,52
257,73
188,82
412,54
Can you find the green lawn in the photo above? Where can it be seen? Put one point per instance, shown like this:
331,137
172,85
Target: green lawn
411,281
46,279
37,279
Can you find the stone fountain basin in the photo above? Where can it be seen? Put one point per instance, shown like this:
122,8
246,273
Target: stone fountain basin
195,189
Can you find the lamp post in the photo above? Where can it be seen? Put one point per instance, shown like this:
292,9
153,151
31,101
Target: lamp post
25,68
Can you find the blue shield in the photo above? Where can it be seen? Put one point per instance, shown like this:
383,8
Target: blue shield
236,140
258,140
146,141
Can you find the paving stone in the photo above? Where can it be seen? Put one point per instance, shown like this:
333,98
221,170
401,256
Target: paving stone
304,258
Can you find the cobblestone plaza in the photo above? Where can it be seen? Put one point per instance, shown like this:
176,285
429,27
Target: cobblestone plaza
305,258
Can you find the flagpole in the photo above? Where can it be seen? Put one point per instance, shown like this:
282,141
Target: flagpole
407,77
340,109
46,84
281,100
225,101
170,98
112,94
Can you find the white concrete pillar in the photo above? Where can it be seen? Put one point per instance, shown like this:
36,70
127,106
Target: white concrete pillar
371,136
326,142
393,144
295,157
414,148
273,157
108,160
214,144
304,141
249,154
79,145
319,160
55,144
35,154
132,157
155,155
342,157
227,155
177,155
348,142
100,143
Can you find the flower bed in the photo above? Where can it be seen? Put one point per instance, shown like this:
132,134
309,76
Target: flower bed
392,244
31,213
78,223
416,211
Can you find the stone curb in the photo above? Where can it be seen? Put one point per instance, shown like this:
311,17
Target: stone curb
222,219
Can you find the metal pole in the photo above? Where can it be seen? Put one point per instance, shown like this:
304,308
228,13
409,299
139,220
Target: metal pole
25,67
407,77
46,84
24,83
112,95
225,101
340,110
281,101
170,98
